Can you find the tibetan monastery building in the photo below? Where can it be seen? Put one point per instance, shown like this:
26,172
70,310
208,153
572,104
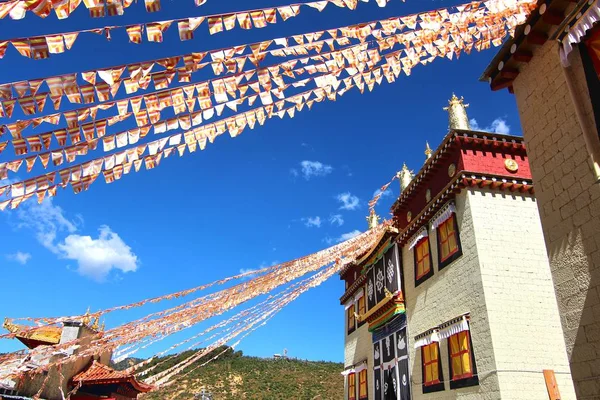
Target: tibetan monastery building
552,66
456,300
86,378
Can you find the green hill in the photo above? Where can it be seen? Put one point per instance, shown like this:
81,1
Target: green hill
235,376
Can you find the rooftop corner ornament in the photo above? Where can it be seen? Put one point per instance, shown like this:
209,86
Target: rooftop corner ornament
457,113
405,176
373,219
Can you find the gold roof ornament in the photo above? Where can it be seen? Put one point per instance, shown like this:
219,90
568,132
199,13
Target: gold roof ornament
95,324
428,151
457,113
9,326
373,219
405,176
39,334
86,318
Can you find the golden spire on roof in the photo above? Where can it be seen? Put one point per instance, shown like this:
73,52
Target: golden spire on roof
457,113
405,176
86,318
373,219
95,325
9,326
428,151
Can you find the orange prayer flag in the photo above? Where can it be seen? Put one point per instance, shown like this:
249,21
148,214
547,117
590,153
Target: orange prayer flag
22,46
152,5
70,39
135,33
215,25
184,30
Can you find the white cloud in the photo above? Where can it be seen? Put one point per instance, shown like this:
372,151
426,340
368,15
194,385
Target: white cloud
312,221
336,219
348,235
349,201
46,219
19,257
294,172
314,168
95,258
498,125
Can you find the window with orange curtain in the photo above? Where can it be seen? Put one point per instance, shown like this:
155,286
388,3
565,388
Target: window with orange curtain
362,385
448,242
351,319
460,356
423,268
361,307
430,355
352,386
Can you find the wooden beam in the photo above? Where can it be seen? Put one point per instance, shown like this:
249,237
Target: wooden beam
511,89
499,84
537,38
509,73
553,17
523,56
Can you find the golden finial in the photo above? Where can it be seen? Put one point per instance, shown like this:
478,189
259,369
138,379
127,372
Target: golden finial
405,176
9,326
95,324
102,326
86,317
428,151
373,219
457,113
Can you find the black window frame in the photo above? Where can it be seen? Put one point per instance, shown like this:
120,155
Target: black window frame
438,387
351,329
592,77
358,324
366,370
431,272
453,257
465,382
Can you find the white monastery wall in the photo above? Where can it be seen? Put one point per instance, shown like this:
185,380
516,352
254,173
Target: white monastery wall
454,290
569,203
521,305
359,347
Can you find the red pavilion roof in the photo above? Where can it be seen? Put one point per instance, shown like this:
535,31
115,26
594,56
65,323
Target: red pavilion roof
100,374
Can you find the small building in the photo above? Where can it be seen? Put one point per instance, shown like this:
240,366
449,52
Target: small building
456,299
86,378
552,66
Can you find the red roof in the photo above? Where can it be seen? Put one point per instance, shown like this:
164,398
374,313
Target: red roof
100,374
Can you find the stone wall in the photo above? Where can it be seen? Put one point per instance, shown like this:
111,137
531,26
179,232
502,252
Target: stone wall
569,203
454,290
503,281
519,295
358,347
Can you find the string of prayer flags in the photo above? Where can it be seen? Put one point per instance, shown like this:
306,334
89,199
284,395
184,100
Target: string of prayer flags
321,265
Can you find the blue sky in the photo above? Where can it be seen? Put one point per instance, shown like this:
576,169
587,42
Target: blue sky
274,193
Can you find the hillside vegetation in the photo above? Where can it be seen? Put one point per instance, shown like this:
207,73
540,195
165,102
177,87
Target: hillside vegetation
235,376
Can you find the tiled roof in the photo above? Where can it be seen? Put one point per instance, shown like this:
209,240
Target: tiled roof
100,374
